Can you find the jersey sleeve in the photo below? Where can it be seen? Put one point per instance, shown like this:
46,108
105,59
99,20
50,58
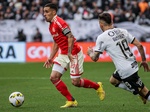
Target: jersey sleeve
99,47
130,38
63,27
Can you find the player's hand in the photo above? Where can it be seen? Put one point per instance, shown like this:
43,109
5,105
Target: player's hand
70,57
89,51
48,63
145,66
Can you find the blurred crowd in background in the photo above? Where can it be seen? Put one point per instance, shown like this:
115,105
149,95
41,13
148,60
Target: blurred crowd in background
122,10
136,11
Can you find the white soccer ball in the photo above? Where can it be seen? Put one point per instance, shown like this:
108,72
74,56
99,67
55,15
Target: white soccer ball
16,99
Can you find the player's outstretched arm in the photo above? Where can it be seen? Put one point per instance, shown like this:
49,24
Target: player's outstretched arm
143,64
48,63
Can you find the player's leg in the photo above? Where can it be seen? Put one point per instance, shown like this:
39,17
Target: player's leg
132,84
117,81
76,69
56,74
145,91
55,78
86,83
144,94
136,85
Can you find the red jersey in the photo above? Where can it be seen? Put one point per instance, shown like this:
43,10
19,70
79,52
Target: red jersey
56,29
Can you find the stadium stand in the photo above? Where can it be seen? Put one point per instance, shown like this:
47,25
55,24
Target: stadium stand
122,10
134,11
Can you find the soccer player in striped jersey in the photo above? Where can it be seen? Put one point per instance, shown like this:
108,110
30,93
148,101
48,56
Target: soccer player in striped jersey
115,42
70,56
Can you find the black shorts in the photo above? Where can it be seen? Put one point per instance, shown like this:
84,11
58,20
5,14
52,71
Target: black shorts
133,82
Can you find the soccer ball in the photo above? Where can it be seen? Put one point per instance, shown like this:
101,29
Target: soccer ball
16,99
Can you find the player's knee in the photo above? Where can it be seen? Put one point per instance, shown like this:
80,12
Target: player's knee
55,76
76,83
112,82
53,79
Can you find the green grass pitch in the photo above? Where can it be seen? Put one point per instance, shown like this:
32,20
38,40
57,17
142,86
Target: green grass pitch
41,96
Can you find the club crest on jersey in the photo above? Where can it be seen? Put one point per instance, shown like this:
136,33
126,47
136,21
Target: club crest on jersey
110,33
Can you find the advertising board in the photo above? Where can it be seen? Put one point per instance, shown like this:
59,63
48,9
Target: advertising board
39,52
12,52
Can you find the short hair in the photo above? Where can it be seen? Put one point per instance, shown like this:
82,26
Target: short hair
52,6
105,17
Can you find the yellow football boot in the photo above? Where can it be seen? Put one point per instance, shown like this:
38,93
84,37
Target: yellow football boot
100,91
70,104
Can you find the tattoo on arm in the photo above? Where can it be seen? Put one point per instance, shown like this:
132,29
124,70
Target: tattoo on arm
69,50
70,42
69,35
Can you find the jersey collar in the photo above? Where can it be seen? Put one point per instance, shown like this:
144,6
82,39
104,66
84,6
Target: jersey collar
53,18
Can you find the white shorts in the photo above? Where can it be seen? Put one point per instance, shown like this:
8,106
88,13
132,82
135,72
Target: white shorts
76,66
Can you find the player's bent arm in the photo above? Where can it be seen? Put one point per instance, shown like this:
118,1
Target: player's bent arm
140,49
54,51
70,42
67,32
49,61
142,53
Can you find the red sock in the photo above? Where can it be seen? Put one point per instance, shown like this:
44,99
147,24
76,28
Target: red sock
62,88
88,84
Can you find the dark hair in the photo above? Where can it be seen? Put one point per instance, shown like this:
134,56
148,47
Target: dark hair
105,17
52,6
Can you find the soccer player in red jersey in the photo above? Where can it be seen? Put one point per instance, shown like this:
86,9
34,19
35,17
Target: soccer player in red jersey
70,56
